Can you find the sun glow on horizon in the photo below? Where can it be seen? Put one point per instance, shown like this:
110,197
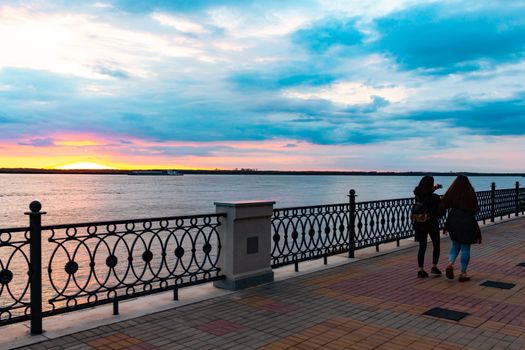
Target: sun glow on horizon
83,165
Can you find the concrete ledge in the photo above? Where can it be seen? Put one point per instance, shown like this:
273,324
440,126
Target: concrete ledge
240,282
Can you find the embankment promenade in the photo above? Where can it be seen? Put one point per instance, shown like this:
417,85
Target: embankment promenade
372,303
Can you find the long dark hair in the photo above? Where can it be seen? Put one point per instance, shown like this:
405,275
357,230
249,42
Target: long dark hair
425,187
461,195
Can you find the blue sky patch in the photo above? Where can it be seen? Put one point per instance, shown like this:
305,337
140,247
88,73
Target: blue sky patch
445,40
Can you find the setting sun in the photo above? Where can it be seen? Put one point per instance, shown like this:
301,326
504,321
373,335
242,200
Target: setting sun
83,165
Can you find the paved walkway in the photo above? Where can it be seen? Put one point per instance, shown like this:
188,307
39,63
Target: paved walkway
373,303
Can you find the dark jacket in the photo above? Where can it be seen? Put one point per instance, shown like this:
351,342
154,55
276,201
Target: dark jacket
432,203
462,226
461,221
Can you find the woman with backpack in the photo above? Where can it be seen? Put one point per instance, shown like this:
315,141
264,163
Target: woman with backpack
425,215
461,223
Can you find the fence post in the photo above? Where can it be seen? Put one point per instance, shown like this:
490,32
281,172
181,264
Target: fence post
35,254
517,198
351,225
492,201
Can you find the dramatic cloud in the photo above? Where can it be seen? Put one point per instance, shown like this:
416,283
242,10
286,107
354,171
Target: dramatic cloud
350,93
506,117
343,84
179,23
442,39
38,142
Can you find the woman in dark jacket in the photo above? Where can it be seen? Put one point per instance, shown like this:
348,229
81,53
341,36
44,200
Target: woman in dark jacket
461,223
428,225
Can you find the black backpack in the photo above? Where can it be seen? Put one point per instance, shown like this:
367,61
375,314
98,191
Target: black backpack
419,212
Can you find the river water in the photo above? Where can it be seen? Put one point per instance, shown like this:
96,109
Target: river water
79,198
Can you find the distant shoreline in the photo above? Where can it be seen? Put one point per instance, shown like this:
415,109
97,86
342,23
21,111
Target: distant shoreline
252,172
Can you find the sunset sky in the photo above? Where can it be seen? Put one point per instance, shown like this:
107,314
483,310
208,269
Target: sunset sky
273,85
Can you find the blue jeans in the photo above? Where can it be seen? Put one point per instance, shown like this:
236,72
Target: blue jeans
465,254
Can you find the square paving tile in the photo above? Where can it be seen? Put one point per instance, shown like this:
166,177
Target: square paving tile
219,327
279,307
117,341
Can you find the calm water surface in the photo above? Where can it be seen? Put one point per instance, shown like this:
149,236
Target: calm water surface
79,198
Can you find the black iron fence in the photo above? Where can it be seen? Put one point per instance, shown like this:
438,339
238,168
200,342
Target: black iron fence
15,270
313,232
48,270
305,233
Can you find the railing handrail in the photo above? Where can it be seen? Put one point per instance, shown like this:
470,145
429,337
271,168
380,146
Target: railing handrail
113,222
310,207
14,229
131,221
339,204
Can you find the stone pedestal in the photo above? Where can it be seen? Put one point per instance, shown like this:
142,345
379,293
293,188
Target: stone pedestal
245,235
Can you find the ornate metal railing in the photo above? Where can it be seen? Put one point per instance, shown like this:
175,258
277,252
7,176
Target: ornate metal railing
305,233
384,221
14,271
484,201
504,202
89,264
102,262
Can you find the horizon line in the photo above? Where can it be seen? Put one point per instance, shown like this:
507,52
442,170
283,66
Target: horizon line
258,171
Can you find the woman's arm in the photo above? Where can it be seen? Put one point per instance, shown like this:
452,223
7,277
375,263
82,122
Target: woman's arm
443,203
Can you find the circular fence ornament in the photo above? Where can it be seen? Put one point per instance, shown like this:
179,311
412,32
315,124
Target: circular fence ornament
71,267
147,256
5,316
5,276
5,237
179,252
111,261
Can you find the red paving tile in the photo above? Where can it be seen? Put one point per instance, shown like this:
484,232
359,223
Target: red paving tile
219,327
280,307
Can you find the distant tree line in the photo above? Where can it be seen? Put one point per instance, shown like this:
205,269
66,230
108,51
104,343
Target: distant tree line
252,171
